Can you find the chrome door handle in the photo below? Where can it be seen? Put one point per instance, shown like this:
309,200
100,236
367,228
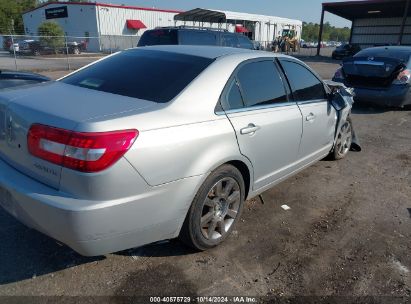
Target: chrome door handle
310,117
250,129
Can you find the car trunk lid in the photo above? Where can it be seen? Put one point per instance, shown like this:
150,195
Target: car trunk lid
371,71
54,104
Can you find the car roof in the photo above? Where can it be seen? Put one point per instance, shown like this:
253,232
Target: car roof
390,48
211,52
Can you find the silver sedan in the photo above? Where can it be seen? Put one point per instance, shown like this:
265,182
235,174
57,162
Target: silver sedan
161,142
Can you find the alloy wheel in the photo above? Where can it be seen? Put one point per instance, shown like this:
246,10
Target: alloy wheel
220,208
344,139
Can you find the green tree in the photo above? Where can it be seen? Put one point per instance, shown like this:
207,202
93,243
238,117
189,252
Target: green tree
330,33
51,34
11,20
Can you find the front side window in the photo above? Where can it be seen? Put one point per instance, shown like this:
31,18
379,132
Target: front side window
261,84
304,85
145,74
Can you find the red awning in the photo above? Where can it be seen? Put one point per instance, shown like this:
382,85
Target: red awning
135,24
240,29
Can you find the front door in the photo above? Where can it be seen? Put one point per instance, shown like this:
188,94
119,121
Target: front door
268,126
319,117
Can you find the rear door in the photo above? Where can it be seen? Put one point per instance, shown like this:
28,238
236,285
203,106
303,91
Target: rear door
319,117
268,125
197,37
244,42
229,40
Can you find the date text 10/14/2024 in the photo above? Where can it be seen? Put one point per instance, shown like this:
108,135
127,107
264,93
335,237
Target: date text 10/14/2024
203,299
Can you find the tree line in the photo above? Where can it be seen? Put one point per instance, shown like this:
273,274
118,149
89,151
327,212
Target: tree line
311,32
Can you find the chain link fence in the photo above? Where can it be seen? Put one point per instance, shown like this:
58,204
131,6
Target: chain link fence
39,53
59,53
303,50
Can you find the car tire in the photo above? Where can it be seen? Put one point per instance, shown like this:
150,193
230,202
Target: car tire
215,209
36,52
76,51
344,141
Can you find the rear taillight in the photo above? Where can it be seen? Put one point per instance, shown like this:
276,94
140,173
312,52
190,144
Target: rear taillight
403,77
85,152
339,74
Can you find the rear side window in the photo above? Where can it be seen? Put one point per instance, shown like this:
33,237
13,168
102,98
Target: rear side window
197,38
261,84
151,75
229,40
304,85
159,37
233,99
244,42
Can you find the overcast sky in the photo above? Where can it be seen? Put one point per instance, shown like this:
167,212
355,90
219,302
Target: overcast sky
306,10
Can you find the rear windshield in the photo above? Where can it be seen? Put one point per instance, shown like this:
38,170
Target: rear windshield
159,37
402,55
145,74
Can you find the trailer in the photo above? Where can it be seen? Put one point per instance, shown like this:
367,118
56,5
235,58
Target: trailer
261,28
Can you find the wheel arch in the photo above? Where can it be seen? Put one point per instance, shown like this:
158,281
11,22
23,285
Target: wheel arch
245,172
243,165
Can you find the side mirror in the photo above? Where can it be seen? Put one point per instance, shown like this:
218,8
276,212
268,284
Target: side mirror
337,100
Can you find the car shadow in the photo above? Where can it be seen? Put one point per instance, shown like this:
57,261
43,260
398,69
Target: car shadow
409,211
167,248
26,253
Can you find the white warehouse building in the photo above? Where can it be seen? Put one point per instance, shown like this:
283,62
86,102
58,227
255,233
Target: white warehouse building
112,27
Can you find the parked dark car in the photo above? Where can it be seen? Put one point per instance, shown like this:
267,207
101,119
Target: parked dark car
346,50
37,48
13,79
194,36
379,75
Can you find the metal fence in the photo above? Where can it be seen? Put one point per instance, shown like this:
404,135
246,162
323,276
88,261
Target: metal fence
38,53
298,51
45,53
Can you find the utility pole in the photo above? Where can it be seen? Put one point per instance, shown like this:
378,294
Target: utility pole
320,36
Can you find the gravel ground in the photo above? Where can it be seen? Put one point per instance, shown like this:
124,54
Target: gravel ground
347,234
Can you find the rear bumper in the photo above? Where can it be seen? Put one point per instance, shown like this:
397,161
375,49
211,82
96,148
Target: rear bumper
95,228
393,96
